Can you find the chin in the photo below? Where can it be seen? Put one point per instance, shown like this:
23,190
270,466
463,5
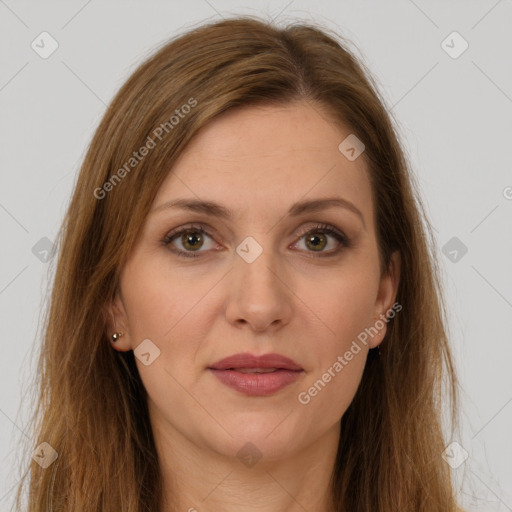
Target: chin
262,437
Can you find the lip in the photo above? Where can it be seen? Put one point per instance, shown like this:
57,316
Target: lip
256,384
246,360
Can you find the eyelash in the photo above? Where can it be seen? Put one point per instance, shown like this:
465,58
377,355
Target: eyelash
323,228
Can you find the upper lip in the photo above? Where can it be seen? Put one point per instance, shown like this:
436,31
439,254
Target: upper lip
251,361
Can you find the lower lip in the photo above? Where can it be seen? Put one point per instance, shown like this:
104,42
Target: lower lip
257,384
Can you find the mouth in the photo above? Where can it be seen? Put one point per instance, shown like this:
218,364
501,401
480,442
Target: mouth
257,375
263,363
256,370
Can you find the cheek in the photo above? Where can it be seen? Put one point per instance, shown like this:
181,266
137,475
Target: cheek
345,306
327,395
160,302
164,307
170,309
339,359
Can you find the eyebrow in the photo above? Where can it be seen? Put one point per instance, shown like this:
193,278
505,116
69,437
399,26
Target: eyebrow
299,208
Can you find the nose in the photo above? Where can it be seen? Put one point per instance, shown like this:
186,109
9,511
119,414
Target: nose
259,294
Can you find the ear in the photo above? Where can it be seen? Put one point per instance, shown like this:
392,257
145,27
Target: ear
116,321
385,301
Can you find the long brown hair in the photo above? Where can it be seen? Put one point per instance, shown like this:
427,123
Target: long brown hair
92,405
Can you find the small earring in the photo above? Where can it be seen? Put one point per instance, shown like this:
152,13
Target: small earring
116,336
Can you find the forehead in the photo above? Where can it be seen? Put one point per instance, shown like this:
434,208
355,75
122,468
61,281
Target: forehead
264,158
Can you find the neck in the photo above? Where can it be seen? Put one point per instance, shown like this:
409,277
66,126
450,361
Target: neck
198,479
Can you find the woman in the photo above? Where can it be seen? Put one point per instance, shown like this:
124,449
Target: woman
246,313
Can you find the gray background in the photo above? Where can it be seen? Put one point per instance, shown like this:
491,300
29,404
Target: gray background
454,116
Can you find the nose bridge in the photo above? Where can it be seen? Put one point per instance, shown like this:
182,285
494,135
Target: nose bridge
257,268
260,275
258,293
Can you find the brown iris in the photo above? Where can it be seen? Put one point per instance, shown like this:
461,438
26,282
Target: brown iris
315,244
190,240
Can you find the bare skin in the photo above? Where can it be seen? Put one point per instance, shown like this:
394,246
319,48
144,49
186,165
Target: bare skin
307,302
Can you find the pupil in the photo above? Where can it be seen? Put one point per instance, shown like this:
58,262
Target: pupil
189,240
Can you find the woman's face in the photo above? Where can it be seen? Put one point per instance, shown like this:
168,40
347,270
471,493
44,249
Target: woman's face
257,273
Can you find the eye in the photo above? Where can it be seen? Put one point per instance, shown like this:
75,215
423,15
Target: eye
316,239
192,239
